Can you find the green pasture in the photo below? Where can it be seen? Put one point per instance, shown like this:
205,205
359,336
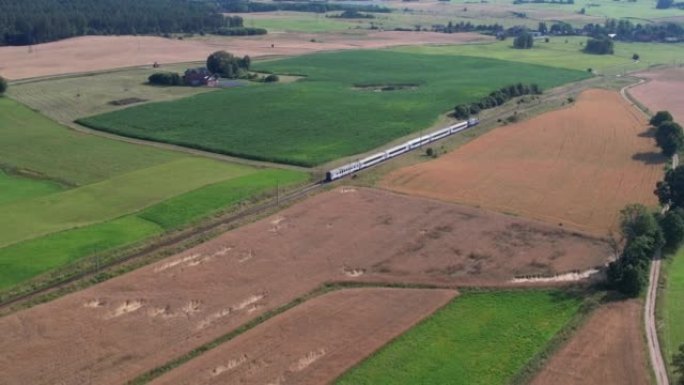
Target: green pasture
34,143
672,304
478,338
111,198
559,54
24,260
68,98
301,22
14,188
324,116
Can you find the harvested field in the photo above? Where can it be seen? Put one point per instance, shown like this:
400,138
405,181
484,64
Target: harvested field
95,53
111,332
663,91
578,166
314,343
608,349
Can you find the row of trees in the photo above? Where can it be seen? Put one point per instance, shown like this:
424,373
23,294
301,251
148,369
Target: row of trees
30,22
625,30
353,14
165,79
645,232
243,6
494,99
452,27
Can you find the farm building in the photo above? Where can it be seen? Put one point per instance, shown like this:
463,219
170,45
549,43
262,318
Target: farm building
200,77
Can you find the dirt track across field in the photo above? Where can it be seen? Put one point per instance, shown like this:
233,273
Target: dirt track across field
314,343
662,91
608,349
112,332
578,166
95,53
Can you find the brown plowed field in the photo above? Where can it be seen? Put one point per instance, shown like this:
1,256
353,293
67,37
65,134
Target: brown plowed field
663,91
111,332
315,342
94,53
578,166
608,349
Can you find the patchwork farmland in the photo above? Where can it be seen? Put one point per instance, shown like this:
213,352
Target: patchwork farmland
568,179
330,114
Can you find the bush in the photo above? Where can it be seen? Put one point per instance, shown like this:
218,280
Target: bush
271,78
430,152
165,79
3,85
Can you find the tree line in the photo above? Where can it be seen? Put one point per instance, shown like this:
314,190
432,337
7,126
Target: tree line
495,98
25,22
245,6
452,27
646,232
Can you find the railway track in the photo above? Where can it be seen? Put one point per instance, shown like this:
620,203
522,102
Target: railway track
167,242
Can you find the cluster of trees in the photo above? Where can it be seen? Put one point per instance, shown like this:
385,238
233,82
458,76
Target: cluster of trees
496,98
240,31
30,22
353,14
524,40
544,1
665,4
668,134
646,232
599,46
3,85
227,65
165,79
244,6
467,27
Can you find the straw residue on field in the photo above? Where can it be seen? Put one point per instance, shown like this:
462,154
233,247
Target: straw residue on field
578,166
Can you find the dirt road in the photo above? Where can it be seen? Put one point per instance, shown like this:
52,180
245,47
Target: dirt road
651,333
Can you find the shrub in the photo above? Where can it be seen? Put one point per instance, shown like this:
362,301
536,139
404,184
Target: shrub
271,78
601,46
3,85
165,79
523,41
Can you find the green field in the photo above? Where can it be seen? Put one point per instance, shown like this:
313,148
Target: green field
325,117
557,53
25,260
673,306
479,338
301,22
15,188
68,98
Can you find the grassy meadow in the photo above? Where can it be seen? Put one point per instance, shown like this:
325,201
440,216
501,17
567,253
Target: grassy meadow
25,260
329,114
478,338
559,54
672,334
15,188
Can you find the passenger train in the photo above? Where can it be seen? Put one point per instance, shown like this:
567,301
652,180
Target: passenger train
398,150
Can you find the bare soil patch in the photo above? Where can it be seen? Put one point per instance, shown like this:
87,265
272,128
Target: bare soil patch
95,53
663,91
314,343
578,166
112,332
608,349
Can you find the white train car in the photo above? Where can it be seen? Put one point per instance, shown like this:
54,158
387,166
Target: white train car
412,144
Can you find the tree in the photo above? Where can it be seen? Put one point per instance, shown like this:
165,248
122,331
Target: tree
600,46
672,224
165,79
462,111
543,29
664,4
670,191
636,221
669,137
660,117
3,85
271,78
635,57
678,364
227,65
523,41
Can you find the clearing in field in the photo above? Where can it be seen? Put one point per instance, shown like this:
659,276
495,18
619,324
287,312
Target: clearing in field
315,342
329,114
578,166
662,91
97,53
608,349
161,311
672,307
478,339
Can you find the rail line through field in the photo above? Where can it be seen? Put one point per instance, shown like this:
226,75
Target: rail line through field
168,242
